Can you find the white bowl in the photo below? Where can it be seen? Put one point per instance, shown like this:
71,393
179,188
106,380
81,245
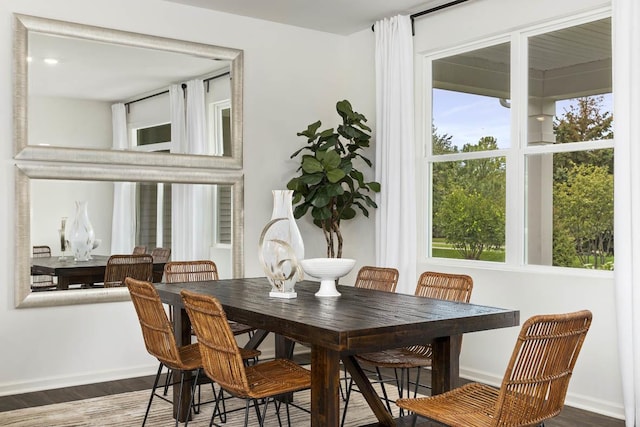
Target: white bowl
327,270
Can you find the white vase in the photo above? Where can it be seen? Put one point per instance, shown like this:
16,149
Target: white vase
282,248
81,235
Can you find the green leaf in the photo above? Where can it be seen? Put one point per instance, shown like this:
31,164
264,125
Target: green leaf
311,165
335,175
348,213
374,186
329,159
320,213
311,130
311,179
334,190
300,210
321,199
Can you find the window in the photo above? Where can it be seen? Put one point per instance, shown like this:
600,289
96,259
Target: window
529,179
471,130
154,215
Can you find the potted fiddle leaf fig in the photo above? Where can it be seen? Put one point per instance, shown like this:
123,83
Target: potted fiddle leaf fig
329,185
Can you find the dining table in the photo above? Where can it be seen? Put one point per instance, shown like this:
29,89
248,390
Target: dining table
338,328
70,272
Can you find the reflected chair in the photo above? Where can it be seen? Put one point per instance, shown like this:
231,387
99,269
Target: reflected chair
160,255
445,286
222,362
534,385
139,250
119,267
42,282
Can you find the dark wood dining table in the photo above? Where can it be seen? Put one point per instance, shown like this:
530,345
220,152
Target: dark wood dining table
69,271
337,328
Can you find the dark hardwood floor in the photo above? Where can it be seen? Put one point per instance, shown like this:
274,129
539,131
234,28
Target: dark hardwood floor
569,417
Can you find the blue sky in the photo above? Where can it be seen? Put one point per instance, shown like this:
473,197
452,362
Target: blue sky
468,117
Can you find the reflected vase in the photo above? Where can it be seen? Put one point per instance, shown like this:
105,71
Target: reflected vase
281,247
81,235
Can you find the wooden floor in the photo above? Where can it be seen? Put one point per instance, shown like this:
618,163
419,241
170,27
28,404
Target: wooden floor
570,417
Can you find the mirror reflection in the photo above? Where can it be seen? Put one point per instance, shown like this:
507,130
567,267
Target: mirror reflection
91,94
124,218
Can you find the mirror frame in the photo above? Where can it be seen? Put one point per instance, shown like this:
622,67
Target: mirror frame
24,172
23,151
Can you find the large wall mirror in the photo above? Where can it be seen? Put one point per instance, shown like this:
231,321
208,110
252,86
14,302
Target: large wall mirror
146,131
119,97
161,208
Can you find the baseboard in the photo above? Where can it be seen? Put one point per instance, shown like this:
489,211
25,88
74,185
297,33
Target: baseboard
50,383
575,400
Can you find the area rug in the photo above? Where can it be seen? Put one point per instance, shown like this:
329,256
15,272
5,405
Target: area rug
127,409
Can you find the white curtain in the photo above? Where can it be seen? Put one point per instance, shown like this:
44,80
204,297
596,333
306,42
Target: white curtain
626,87
191,206
396,231
123,222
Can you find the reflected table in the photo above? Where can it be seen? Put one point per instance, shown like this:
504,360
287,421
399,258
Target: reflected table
337,328
71,272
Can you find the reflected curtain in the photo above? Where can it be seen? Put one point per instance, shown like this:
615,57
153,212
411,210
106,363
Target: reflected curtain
626,89
123,222
191,203
395,153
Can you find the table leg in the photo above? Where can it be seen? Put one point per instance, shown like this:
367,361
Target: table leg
445,364
182,331
325,382
367,390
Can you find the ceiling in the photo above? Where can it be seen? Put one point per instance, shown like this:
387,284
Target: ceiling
332,16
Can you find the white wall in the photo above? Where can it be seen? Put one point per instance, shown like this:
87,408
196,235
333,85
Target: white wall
532,290
291,80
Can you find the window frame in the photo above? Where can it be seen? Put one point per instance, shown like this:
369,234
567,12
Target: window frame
515,155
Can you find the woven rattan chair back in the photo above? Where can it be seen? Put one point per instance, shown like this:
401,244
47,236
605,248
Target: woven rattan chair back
139,250
377,278
161,254
190,271
537,377
156,328
445,286
534,385
450,287
119,267
221,357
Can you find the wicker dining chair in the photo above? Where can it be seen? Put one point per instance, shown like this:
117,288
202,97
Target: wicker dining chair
534,385
222,362
139,250
445,286
159,338
42,282
160,255
378,279
121,266
196,271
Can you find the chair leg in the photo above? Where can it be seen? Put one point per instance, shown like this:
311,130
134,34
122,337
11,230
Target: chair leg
153,391
346,401
191,400
384,390
167,381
